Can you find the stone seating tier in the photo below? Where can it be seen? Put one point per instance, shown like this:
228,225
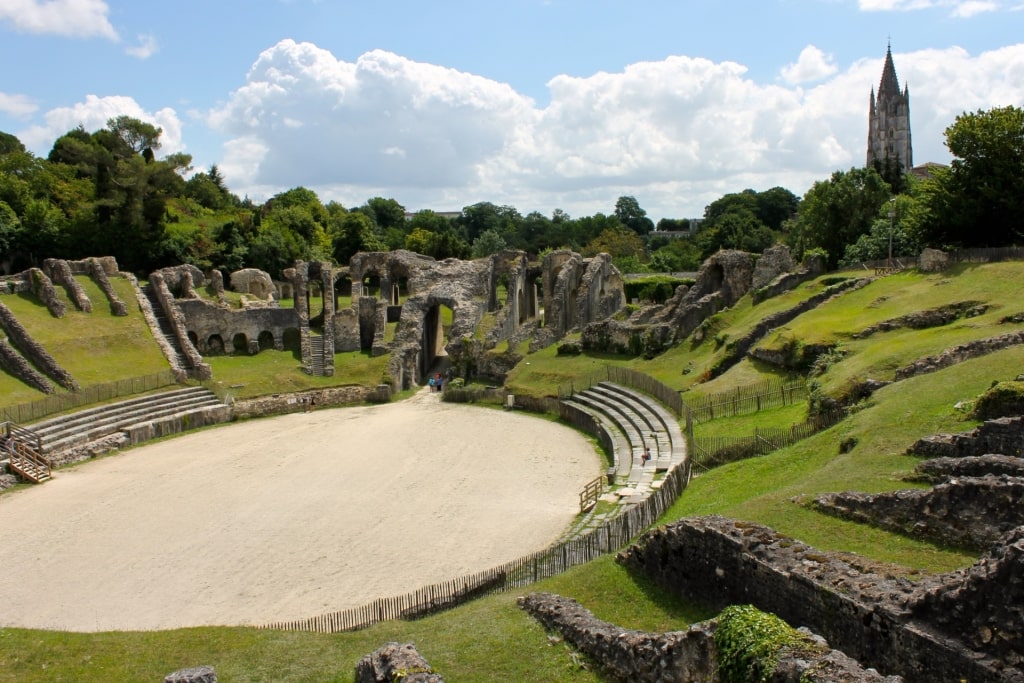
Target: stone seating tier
669,424
638,422
70,430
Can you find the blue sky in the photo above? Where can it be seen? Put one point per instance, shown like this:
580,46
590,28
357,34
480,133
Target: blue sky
540,104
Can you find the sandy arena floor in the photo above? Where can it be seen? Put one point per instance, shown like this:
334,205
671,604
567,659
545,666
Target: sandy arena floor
287,517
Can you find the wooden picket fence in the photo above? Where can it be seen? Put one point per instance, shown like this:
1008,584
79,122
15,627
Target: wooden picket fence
770,393
708,452
613,535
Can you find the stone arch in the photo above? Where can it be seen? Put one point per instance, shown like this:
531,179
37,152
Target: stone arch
193,339
240,343
291,340
215,345
265,340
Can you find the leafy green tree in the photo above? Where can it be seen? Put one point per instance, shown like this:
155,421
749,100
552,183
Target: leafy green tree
773,207
979,199
386,213
678,255
10,143
673,225
274,249
489,242
137,136
434,235
834,213
618,242
629,213
355,233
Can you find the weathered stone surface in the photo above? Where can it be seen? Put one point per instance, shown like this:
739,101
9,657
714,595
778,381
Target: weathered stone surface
41,285
1004,436
34,352
920,320
776,260
721,281
932,261
98,270
395,662
60,273
984,605
689,656
941,469
195,674
960,353
628,655
967,512
864,609
279,404
254,282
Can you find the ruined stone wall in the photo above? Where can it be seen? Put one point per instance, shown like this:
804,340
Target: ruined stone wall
60,273
194,361
98,270
205,319
689,656
17,365
812,267
280,404
182,280
40,285
21,340
960,353
862,609
968,512
1004,435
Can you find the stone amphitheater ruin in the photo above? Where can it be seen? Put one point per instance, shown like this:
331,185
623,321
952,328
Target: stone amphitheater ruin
966,625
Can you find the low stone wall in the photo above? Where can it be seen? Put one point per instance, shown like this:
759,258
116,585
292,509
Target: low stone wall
177,423
862,608
936,470
920,320
967,512
280,404
1004,435
689,656
958,354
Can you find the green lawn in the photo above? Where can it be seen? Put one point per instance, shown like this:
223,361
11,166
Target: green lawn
491,639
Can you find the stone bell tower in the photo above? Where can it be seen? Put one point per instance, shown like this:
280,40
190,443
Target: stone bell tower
889,121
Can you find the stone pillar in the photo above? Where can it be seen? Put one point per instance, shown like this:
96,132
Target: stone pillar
327,284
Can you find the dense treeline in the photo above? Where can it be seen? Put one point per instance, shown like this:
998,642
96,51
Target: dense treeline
107,193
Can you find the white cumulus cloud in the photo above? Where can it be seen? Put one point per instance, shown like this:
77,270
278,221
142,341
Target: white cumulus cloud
77,18
145,48
958,8
676,133
93,115
17,105
811,65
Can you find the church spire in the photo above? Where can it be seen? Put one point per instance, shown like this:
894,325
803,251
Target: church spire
889,85
889,141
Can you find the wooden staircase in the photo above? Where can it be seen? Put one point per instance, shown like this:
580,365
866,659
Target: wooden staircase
22,447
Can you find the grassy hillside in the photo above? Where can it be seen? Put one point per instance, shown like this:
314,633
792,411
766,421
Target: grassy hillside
491,640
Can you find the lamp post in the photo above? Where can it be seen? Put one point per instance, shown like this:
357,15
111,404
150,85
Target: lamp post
892,218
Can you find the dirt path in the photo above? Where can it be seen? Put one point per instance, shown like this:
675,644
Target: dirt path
287,517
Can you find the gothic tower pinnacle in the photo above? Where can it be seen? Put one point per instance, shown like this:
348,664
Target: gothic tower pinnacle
889,121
